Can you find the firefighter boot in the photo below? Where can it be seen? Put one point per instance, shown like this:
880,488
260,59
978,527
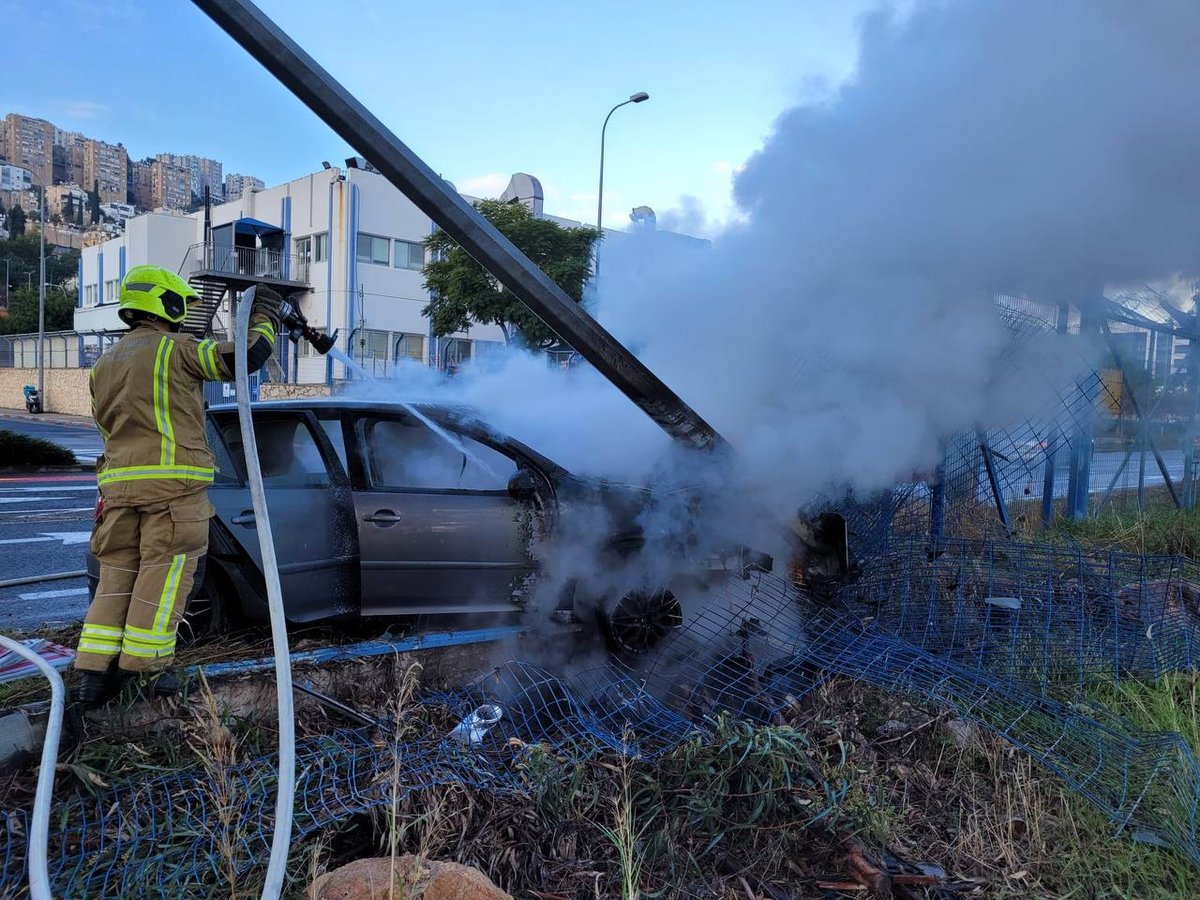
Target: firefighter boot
97,688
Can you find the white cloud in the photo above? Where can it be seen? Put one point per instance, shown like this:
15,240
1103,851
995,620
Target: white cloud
84,109
491,185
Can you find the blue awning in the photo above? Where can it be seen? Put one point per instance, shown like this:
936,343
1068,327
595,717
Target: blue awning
255,226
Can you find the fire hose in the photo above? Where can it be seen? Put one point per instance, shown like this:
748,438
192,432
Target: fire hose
39,830
285,797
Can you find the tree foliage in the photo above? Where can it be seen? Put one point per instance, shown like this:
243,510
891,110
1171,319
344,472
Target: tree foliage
464,293
22,315
22,254
16,221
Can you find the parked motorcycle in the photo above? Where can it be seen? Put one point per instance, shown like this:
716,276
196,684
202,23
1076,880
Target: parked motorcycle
33,400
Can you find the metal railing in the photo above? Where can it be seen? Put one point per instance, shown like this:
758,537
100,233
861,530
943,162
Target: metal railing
244,262
63,349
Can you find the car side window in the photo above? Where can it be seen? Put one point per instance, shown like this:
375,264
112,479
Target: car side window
287,451
404,454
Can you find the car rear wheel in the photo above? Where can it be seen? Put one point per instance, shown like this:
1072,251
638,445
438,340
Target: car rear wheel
641,620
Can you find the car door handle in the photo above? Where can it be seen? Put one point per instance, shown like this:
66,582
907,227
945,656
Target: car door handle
246,517
382,517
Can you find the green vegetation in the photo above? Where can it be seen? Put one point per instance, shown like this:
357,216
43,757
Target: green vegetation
1160,531
466,293
22,450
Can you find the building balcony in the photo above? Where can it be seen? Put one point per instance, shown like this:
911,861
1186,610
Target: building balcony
241,267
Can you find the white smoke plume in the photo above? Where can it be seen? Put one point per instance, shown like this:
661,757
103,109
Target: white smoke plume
846,325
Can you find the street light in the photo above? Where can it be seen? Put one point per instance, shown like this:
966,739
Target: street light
41,344
639,97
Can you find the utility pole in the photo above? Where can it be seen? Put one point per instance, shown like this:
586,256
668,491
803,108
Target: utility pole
41,351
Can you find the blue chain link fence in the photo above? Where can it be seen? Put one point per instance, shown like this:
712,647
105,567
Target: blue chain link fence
1012,637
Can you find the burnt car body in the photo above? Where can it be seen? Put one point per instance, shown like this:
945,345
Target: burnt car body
399,509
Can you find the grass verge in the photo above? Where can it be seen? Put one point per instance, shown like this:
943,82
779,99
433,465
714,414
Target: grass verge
20,450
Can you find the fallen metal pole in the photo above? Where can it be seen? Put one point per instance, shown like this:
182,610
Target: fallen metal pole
433,195
38,579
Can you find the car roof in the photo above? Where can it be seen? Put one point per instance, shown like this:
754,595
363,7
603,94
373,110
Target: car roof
462,414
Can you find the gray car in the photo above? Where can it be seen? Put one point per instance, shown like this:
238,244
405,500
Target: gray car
396,509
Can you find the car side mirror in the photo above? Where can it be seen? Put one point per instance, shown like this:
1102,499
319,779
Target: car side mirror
524,486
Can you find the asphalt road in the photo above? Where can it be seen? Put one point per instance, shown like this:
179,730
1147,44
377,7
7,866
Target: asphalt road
45,523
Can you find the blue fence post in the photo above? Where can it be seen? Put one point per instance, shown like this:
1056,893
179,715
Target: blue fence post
1052,446
1054,440
1084,412
1189,438
937,505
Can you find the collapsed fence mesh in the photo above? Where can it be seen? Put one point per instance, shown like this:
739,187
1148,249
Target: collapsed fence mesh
1013,637
1034,642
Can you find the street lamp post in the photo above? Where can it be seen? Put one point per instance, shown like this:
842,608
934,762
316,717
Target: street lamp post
41,351
41,344
639,97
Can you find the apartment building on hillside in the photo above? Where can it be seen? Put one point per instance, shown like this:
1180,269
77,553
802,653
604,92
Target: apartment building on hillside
105,169
236,185
29,143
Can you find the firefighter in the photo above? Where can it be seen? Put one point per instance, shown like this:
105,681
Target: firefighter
152,517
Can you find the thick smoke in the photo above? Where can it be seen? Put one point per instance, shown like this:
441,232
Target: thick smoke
846,324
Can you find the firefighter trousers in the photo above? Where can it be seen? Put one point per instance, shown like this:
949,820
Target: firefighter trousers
148,557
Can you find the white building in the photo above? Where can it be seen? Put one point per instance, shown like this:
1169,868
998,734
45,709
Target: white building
15,178
344,240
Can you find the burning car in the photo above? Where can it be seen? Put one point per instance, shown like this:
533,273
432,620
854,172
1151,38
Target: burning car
407,509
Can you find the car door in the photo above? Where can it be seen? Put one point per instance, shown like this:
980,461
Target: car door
438,531
308,498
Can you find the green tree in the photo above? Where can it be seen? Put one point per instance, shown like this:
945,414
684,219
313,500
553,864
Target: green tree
22,315
24,252
79,216
16,221
94,202
465,293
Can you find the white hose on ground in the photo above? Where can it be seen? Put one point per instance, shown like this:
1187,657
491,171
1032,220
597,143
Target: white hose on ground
39,829
38,579
285,799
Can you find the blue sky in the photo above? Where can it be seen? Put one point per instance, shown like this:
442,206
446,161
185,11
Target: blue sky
478,89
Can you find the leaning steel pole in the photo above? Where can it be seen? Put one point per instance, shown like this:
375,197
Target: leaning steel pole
318,90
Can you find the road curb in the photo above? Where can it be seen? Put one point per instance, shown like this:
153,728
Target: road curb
84,466
16,415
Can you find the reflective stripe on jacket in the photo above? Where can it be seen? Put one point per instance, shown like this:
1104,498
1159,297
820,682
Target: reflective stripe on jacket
148,403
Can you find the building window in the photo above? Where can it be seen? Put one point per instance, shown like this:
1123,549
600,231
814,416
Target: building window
372,249
89,295
410,347
409,255
321,247
304,250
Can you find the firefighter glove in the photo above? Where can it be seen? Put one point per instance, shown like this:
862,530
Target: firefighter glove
266,302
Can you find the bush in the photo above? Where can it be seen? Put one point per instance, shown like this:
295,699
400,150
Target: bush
22,450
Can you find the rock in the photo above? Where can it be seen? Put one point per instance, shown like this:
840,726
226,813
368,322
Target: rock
407,877
893,728
963,733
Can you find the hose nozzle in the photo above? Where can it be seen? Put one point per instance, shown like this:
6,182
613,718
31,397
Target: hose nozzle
298,327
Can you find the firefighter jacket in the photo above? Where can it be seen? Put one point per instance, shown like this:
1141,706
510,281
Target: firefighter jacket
148,403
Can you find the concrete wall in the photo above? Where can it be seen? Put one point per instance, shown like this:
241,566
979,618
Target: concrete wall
66,390
277,391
